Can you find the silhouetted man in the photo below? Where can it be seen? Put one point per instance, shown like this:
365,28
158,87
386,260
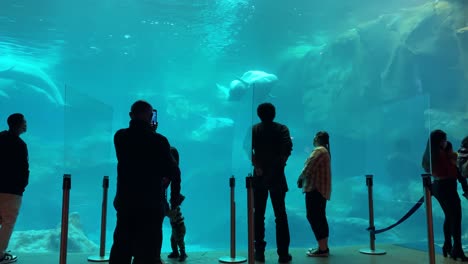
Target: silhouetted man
14,177
144,158
271,147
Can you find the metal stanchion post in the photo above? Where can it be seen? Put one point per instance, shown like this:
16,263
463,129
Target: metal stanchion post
102,248
250,216
371,250
65,211
233,258
430,231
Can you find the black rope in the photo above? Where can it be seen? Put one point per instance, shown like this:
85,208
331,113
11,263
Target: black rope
406,216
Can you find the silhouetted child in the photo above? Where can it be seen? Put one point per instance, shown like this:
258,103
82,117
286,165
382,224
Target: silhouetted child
175,215
453,157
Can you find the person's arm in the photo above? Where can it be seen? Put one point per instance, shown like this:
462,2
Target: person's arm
309,165
118,144
258,171
287,145
247,144
24,166
175,188
462,180
173,173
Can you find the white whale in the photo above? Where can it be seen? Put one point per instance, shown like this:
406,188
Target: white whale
34,78
259,83
210,125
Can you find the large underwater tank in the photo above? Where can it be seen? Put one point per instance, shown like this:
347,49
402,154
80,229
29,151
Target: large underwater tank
377,75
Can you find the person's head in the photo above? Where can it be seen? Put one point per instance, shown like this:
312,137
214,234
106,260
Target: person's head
322,139
141,110
438,139
175,154
464,142
17,123
266,112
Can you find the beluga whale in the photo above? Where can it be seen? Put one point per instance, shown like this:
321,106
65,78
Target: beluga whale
257,83
28,75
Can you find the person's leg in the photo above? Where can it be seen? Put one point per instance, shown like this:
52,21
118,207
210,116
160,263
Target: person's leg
148,233
175,252
180,241
453,212
323,224
121,251
260,201
312,207
440,193
9,209
316,214
281,220
451,204
322,221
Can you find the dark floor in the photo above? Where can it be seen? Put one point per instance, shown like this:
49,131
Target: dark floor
341,255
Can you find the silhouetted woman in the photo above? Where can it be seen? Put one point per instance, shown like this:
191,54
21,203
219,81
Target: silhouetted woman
315,181
444,172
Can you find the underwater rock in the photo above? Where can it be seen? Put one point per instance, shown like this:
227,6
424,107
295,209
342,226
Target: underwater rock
410,54
48,240
451,122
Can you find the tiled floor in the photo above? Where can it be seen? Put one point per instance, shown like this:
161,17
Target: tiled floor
340,255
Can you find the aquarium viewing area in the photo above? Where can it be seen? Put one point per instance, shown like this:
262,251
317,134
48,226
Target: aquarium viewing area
378,76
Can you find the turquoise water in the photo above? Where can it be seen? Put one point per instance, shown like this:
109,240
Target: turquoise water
377,76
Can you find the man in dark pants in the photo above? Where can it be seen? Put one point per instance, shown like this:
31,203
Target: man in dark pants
14,177
271,147
144,158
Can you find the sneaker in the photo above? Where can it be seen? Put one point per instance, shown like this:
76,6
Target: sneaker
182,257
173,255
285,259
8,258
319,253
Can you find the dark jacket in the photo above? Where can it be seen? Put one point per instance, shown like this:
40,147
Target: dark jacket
144,158
14,165
271,147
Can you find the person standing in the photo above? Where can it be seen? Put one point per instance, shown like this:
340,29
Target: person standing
271,148
437,161
14,177
175,215
144,158
315,181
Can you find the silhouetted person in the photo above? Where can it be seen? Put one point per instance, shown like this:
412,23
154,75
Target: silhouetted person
14,177
175,215
315,181
144,158
438,161
462,158
271,147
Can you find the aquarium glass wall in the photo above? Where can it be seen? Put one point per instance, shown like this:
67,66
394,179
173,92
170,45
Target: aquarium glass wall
378,76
